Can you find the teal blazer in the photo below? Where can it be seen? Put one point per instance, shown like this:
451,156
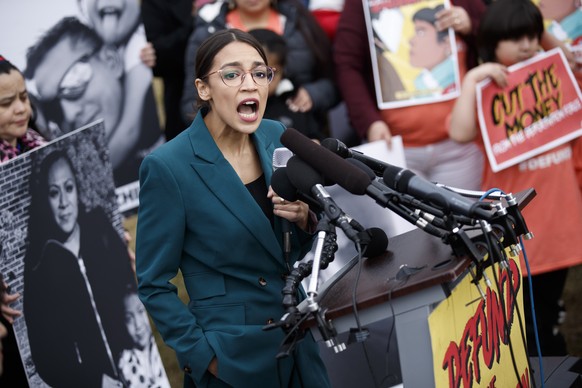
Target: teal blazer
196,216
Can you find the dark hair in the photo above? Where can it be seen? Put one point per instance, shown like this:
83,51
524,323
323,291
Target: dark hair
428,15
6,66
507,20
216,42
68,27
272,43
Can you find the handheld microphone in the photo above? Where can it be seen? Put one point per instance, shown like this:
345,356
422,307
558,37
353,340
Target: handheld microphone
280,157
339,148
283,187
306,179
405,181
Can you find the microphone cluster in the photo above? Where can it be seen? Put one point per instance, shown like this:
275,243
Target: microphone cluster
435,209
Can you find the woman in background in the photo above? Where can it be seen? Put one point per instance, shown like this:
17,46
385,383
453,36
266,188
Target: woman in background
16,134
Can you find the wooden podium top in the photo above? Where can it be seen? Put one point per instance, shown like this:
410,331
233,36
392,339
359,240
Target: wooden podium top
426,259
413,261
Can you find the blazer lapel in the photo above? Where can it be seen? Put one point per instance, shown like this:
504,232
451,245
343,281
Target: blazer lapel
218,175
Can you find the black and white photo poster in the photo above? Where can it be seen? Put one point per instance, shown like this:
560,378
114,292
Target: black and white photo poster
81,60
63,251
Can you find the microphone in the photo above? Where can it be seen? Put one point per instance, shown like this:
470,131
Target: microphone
339,148
378,242
405,181
280,157
282,186
306,179
326,162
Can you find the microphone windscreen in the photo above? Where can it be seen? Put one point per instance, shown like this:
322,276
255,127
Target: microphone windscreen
282,185
323,160
362,166
302,175
378,242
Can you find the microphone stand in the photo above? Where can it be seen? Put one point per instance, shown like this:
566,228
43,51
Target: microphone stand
290,322
326,328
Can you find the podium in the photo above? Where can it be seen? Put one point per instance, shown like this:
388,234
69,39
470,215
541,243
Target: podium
416,272
395,294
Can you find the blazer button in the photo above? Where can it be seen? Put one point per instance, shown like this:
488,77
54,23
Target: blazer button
270,321
262,281
187,369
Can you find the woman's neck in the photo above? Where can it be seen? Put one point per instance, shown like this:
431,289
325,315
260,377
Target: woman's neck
255,20
73,242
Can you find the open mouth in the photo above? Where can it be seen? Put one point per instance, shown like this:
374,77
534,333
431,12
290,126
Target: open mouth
109,11
248,110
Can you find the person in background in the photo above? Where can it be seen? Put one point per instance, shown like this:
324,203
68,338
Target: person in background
168,24
16,134
16,138
72,245
510,32
281,88
77,83
327,14
565,19
140,365
224,231
430,49
309,64
118,25
427,148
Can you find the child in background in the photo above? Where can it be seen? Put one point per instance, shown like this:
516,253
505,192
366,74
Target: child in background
281,89
140,366
510,32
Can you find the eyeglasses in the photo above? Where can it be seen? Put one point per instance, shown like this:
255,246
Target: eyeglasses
234,76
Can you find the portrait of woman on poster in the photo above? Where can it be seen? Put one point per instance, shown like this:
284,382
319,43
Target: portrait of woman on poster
77,259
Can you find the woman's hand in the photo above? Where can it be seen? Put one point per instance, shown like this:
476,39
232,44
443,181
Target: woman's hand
8,312
456,18
213,367
301,102
148,55
297,212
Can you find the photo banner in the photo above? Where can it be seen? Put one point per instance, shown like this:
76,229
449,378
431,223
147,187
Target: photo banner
539,109
412,62
469,345
62,250
81,61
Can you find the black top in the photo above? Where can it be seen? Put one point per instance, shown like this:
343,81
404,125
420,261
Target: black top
258,189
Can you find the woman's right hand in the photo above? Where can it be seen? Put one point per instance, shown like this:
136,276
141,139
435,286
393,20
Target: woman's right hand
213,367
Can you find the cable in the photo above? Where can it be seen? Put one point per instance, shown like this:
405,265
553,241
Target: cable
533,312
